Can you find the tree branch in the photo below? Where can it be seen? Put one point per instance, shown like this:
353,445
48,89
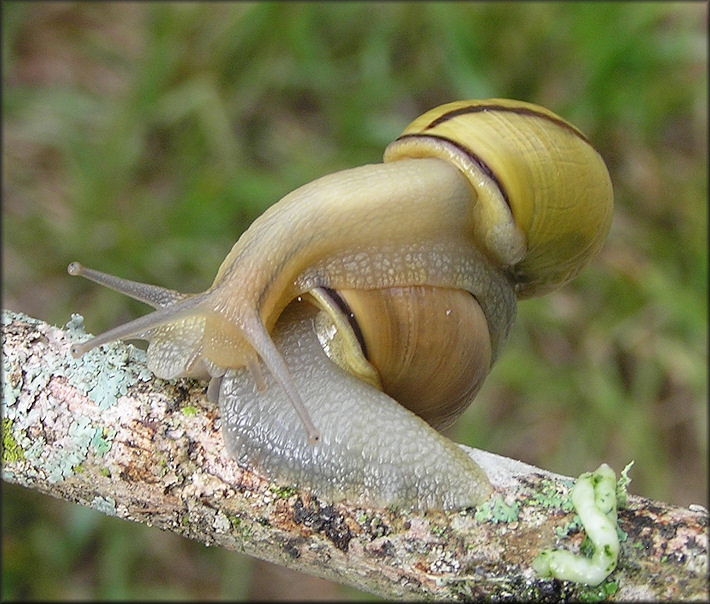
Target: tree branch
101,431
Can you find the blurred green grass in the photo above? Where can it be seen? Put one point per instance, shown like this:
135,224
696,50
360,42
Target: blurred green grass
141,139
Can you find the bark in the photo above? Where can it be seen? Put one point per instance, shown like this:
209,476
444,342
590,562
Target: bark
101,431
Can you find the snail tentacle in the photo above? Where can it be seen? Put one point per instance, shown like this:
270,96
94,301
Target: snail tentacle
153,295
172,307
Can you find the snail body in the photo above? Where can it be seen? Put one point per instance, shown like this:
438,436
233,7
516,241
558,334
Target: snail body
378,299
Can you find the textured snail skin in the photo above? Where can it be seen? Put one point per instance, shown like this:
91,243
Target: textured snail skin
496,199
384,225
372,451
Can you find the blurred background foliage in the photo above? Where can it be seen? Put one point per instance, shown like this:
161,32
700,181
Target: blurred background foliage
142,138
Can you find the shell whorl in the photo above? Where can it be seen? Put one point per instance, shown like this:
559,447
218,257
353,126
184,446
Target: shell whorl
544,196
428,348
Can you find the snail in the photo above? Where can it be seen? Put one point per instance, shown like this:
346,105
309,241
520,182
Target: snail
378,298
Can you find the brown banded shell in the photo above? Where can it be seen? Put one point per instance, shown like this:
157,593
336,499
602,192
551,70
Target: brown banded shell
428,348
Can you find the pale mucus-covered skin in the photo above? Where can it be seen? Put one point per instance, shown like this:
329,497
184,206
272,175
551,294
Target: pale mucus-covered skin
521,209
372,451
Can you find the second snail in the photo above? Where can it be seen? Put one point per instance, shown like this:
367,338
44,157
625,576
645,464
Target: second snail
362,312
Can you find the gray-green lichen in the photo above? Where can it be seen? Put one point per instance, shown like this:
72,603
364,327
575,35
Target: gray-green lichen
28,402
551,495
105,505
61,462
104,374
11,384
102,439
497,510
